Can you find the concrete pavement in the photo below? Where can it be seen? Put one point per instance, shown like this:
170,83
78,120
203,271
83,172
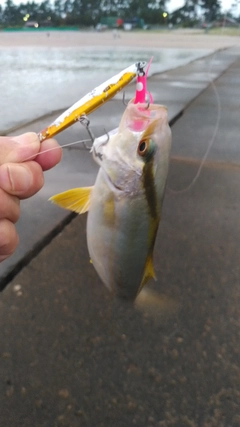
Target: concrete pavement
71,355
40,219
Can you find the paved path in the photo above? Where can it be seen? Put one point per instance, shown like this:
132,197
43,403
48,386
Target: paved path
71,355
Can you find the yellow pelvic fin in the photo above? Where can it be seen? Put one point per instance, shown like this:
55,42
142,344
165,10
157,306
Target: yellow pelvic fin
76,199
149,272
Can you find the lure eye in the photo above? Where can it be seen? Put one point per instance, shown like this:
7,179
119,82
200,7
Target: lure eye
143,147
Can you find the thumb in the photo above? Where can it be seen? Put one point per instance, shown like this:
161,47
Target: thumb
16,149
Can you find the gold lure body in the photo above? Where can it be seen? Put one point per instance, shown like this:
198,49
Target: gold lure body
90,102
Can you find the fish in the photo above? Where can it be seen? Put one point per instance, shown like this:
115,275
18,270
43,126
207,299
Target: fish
124,205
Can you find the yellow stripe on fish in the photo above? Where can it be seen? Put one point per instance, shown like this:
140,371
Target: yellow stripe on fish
124,205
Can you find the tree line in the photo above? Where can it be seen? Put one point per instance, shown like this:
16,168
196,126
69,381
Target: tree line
90,12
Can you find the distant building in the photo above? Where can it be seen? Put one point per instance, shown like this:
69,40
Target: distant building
31,24
112,21
228,22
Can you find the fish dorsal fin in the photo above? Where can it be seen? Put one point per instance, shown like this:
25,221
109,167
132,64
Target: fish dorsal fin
76,199
149,272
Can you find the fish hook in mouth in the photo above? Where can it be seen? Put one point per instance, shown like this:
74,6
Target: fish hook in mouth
97,154
99,142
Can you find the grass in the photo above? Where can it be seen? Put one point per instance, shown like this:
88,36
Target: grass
225,31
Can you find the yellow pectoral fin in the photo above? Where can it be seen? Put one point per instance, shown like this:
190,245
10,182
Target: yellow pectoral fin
149,272
77,199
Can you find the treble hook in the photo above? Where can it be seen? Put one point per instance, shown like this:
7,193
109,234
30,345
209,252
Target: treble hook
99,142
108,137
147,101
84,120
124,99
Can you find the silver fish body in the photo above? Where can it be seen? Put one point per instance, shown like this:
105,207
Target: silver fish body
125,202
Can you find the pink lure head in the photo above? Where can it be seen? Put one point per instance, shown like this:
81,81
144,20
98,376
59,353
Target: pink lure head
141,88
142,95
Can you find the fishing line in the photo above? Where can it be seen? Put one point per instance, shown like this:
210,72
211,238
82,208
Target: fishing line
204,158
82,141
219,111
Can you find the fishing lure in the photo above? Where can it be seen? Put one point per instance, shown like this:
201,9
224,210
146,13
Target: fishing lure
124,205
141,86
90,102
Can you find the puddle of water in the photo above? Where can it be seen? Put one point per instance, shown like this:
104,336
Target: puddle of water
37,81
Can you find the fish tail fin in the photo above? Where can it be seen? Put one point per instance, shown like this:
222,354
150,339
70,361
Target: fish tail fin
76,199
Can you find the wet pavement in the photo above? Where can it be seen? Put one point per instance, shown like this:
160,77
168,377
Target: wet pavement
71,354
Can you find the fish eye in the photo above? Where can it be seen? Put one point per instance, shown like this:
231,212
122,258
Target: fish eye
143,147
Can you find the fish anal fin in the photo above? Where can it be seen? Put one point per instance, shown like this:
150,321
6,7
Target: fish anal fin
149,272
76,199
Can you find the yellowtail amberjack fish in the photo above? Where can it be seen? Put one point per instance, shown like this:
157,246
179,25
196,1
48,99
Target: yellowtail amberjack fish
124,205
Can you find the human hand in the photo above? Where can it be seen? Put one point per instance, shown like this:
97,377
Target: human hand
21,176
